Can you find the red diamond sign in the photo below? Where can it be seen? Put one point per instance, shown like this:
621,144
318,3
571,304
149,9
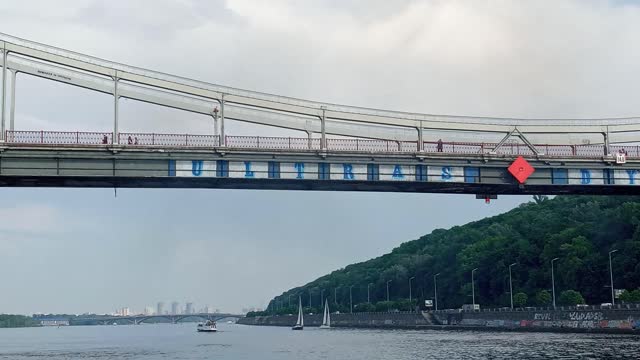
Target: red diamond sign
521,169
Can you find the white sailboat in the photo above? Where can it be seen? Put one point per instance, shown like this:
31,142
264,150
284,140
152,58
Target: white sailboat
326,319
300,323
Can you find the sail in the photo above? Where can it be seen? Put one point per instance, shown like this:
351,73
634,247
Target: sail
326,319
300,321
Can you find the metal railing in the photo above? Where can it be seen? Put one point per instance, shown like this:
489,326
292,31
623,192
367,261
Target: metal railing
79,138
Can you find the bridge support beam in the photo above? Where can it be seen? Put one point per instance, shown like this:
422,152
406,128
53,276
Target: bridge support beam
607,149
12,110
420,137
4,92
116,99
323,132
223,140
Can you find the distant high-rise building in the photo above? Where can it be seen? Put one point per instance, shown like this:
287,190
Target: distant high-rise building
189,308
174,308
160,308
148,310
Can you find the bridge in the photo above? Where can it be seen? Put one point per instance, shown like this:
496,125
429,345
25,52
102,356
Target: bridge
174,319
343,147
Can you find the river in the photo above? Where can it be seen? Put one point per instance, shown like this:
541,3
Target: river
165,341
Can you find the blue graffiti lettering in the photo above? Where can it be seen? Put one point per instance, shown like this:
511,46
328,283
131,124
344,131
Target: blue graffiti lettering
300,169
397,173
348,171
446,173
196,167
586,177
247,170
632,176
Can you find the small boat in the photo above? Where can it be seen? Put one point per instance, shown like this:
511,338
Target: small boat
326,319
209,326
300,323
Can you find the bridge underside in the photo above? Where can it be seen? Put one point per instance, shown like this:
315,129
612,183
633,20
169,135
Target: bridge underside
108,167
310,185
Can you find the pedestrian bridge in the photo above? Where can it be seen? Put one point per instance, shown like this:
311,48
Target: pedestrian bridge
174,319
340,147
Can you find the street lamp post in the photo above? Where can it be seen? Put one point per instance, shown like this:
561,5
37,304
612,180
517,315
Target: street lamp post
411,278
473,290
435,290
350,299
553,283
289,300
335,295
388,281
511,285
309,297
613,296
322,297
368,298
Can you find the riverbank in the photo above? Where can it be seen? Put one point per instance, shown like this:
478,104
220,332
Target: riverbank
609,321
16,321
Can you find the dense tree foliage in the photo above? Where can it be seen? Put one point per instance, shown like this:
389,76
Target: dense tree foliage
13,321
579,230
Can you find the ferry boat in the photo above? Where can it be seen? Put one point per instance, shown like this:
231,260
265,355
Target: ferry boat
209,326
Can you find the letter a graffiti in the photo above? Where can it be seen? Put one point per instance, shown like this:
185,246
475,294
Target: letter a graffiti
196,167
247,170
348,171
397,173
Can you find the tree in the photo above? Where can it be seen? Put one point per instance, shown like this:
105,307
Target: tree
520,299
543,298
540,198
571,298
630,296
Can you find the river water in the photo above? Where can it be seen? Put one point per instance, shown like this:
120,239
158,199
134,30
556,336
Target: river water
166,341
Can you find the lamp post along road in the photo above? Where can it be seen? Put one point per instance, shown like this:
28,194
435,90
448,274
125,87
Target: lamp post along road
350,299
388,281
411,278
322,297
553,283
511,285
368,298
435,290
613,295
473,290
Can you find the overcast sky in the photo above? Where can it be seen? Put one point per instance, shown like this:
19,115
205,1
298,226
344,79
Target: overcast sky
80,250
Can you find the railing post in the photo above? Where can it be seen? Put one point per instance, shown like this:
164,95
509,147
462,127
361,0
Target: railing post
41,136
258,141
289,142
4,90
186,139
77,137
323,132
357,144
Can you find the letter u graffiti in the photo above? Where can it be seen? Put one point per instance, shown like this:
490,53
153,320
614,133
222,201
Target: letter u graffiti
196,167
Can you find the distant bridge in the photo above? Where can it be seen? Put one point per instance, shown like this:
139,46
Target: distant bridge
346,147
138,319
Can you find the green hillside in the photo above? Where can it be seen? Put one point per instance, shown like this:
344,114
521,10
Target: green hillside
579,230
